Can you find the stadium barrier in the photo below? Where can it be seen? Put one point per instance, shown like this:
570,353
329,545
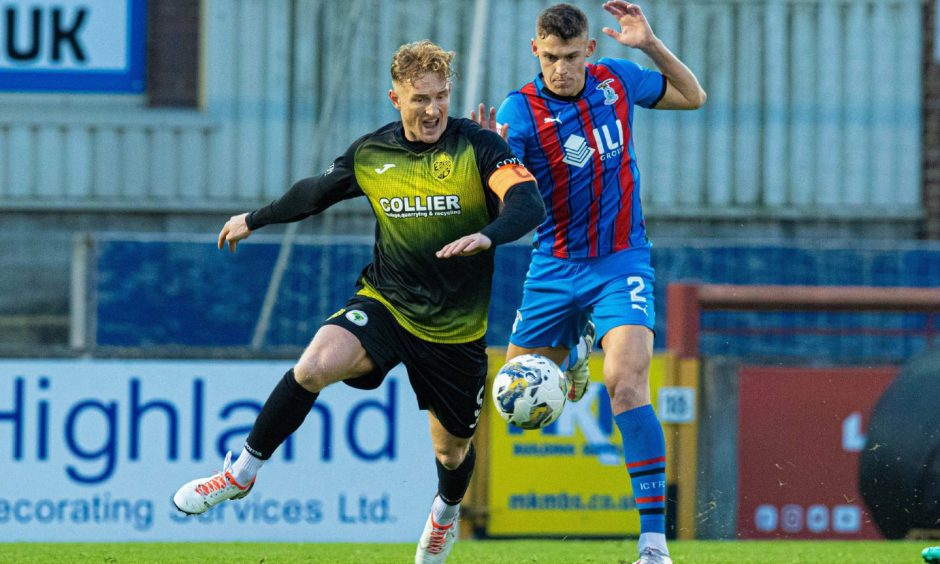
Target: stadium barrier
168,294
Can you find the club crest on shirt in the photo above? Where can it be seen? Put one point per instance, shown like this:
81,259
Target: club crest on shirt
610,95
442,166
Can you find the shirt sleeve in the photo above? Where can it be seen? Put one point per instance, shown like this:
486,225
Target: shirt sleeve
510,114
646,86
523,211
311,196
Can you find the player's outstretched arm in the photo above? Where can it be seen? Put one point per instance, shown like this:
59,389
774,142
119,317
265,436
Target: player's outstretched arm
234,230
683,91
522,212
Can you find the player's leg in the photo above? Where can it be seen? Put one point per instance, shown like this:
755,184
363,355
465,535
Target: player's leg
333,355
628,351
449,381
455,458
548,321
336,353
620,287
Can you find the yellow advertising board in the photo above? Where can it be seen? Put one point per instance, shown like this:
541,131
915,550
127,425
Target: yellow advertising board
568,478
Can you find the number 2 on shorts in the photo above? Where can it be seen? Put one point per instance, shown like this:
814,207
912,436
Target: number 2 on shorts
638,301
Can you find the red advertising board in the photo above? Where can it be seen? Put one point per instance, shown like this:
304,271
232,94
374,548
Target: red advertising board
800,435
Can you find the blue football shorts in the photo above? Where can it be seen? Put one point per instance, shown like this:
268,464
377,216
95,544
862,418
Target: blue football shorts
560,295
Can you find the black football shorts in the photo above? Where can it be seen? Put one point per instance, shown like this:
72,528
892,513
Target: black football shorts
448,379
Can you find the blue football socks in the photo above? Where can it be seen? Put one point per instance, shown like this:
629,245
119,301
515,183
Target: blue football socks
644,452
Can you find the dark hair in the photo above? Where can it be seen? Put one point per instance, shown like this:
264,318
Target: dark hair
414,60
564,21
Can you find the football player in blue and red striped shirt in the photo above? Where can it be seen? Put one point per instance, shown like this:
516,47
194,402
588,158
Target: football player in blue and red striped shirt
572,128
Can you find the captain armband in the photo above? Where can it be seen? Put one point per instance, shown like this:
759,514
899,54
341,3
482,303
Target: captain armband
507,176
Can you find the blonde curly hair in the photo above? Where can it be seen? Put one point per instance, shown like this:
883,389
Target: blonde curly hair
414,60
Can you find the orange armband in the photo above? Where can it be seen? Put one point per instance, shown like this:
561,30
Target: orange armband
507,176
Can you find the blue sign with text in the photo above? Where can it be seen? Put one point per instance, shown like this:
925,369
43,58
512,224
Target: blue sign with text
73,46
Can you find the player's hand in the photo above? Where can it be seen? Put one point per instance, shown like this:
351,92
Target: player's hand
480,117
465,246
635,31
234,230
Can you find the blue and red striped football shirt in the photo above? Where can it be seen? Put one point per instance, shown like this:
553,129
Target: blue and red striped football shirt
580,150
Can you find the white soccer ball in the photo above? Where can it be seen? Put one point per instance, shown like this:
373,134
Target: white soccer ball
530,391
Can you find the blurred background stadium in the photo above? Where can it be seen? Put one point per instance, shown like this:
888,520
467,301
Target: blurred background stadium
131,129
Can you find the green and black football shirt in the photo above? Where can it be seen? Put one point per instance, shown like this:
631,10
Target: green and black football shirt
423,196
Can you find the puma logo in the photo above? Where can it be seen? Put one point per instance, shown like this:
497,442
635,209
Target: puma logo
641,308
384,168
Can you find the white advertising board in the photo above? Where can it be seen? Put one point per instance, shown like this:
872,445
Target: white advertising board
93,450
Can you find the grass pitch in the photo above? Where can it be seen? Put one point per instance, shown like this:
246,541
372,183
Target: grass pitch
472,552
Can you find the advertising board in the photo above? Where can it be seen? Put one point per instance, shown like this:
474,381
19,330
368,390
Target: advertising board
568,478
93,450
73,45
800,434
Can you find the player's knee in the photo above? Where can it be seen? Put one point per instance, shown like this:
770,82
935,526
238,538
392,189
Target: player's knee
311,373
627,388
451,456
624,397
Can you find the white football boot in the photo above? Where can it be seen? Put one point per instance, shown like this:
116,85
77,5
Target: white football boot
578,373
436,541
203,494
650,555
